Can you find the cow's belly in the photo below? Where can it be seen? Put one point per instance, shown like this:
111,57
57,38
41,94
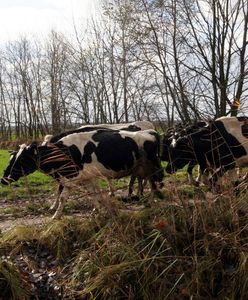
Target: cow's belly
98,170
91,172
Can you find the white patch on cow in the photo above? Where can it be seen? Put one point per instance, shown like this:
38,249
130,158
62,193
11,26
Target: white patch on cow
173,142
22,147
233,126
79,139
144,125
139,136
47,139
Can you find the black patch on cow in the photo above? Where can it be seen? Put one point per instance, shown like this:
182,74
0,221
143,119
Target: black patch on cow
151,150
132,128
114,151
88,150
76,155
242,119
72,152
152,154
244,129
190,148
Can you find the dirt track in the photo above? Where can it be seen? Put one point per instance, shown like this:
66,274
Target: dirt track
36,210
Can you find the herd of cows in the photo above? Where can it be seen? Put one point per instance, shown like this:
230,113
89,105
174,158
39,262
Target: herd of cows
136,149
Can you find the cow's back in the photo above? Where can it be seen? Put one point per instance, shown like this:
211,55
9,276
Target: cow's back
134,126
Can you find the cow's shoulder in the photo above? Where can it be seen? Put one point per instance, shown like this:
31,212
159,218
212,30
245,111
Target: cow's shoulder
71,152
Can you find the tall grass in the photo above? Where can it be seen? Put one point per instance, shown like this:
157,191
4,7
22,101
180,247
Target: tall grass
13,285
179,250
176,249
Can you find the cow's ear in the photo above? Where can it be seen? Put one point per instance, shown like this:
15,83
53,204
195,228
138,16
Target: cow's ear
11,152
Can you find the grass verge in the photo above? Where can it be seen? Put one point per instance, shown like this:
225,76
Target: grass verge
175,249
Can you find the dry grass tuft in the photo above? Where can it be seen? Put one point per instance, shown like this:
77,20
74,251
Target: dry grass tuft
12,284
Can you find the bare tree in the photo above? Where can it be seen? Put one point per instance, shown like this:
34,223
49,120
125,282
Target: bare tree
218,42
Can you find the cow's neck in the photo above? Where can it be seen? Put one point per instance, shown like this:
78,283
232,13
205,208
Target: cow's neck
56,162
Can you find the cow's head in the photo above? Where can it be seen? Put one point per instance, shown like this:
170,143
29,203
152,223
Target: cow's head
181,153
169,139
185,145
22,163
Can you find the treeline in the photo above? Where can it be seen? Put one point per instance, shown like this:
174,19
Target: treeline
144,59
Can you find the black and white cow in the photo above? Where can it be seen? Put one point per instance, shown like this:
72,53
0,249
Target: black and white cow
170,140
134,126
84,156
220,146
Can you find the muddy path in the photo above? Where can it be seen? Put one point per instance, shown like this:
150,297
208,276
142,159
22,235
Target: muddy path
36,210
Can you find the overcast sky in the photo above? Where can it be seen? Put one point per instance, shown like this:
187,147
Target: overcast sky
24,17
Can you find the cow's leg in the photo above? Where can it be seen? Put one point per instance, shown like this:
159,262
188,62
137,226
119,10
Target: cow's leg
154,190
61,201
111,188
55,204
140,187
131,184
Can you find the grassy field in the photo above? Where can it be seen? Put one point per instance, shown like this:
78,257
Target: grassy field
192,244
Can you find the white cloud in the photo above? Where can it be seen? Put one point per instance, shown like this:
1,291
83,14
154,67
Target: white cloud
24,17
